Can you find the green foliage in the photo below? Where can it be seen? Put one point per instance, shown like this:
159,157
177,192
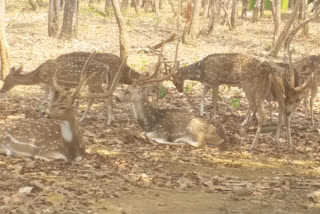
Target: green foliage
94,11
163,92
142,66
235,103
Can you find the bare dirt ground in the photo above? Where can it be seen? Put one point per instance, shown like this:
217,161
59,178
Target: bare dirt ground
124,173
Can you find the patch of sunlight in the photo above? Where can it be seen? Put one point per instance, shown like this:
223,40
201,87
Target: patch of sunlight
102,151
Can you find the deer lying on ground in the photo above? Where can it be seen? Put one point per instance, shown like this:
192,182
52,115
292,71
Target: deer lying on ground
56,138
167,126
104,64
254,76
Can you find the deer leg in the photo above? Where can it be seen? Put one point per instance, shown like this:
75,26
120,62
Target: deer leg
108,103
260,123
305,102
277,136
215,90
204,92
287,121
314,91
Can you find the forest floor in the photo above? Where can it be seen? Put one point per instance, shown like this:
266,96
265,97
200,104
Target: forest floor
126,174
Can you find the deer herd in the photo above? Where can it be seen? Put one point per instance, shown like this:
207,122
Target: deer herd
58,136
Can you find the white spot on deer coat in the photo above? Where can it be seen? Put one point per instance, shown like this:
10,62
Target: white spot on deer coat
66,131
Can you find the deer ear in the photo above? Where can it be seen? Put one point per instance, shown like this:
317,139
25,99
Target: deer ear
19,70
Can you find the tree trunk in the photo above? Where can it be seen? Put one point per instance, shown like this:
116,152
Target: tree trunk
34,5
186,29
194,27
206,8
256,9
234,14
53,18
244,8
4,52
69,28
276,14
275,49
156,7
213,15
305,30
262,8
124,5
122,30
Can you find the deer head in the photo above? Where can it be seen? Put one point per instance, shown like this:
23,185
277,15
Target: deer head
9,81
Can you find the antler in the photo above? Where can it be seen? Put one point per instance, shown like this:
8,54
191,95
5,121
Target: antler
113,84
83,78
173,71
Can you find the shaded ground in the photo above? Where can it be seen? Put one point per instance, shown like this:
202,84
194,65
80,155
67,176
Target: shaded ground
123,172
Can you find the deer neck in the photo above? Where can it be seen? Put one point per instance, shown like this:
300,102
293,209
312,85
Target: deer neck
146,115
71,135
192,72
30,78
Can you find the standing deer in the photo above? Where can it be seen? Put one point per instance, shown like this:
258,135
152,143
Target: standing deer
167,126
104,64
254,76
56,138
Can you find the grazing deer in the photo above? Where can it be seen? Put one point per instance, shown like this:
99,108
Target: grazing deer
167,126
233,69
56,138
304,68
104,64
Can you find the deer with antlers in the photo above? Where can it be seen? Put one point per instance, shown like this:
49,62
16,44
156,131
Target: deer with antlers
58,137
104,64
168,126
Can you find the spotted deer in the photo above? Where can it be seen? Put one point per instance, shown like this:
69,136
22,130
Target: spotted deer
254,76
304,67
59,136
168,126
104,64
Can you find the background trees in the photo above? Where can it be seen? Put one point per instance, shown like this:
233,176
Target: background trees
4,53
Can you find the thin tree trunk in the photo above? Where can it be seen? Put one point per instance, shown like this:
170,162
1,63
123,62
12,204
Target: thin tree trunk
53,18
156,7
262,8
34,5
122,30
186,29
276,47
69,28
194,27
4,51
212,18
234,14
124,5
244,8
206,8
276,14
303,16
255,13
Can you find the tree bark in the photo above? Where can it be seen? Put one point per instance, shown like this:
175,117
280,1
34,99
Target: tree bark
122,30
34,5
303,16
276,47
194,27
4,52
234,14
256,9
262,8
156,7
276,14
69,28
244,8
212,16
186,29
124,5
53,18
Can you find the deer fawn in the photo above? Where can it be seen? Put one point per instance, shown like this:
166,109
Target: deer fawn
167,126
104,64
56,138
